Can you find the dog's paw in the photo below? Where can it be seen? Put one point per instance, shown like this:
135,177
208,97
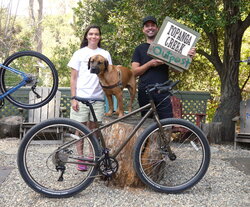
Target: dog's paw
108,114
120,114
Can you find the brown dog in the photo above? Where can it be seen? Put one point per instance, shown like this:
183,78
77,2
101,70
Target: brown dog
113,79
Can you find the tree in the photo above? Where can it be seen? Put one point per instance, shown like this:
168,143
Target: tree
13,33
221,23
37,22
8,29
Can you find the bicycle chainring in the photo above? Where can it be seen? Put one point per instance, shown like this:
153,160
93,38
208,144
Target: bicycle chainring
108,166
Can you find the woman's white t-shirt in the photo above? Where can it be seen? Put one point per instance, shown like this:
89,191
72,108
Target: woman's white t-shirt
87,83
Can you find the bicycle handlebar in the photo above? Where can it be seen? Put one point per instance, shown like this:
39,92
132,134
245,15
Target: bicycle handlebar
166,89
162,87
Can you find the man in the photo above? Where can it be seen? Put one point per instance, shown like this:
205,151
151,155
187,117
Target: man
151,71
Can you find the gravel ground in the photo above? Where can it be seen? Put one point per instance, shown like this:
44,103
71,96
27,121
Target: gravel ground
225,184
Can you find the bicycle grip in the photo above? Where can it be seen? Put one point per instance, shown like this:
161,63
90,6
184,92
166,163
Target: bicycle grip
167,88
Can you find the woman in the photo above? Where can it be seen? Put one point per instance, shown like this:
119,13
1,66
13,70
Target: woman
85,84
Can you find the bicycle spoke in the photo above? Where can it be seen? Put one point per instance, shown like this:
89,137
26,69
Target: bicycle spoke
162,171
53,162
39,73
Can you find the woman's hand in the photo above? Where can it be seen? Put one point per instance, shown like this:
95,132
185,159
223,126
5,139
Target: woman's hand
75,105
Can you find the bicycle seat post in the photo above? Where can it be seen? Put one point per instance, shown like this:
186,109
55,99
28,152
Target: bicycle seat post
92,111
99,133
151,101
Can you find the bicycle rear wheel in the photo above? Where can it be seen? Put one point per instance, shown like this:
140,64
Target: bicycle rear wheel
47,149
166,172
42,72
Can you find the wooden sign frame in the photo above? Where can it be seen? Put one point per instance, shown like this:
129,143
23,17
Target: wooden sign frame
172,44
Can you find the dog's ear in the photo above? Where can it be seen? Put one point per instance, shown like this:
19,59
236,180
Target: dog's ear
89,63
106,64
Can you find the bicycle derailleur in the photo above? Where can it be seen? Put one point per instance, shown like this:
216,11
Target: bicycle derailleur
59,159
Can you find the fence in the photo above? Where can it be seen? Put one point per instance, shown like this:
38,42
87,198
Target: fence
192,102
10,110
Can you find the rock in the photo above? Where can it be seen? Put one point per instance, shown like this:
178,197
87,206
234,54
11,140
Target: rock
9,126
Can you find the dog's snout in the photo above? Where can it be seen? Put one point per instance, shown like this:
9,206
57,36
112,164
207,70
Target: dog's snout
95,70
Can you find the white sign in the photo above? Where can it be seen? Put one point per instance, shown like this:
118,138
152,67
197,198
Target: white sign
172,44
176,39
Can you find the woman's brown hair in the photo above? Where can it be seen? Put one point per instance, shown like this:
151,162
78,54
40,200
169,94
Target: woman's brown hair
85,41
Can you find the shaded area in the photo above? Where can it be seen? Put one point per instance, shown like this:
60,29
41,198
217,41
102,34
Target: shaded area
242,164
4,172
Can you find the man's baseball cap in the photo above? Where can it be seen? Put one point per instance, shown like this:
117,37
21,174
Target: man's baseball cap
149,18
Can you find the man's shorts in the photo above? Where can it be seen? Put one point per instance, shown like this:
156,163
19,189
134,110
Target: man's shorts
84,113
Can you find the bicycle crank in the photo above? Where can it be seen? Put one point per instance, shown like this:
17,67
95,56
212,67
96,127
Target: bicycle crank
108,166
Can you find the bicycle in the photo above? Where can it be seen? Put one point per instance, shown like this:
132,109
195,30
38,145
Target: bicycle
166,158
28,69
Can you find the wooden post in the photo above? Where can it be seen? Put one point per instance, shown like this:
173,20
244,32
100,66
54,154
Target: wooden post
213,132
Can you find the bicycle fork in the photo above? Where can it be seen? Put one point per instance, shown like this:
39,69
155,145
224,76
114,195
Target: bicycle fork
164,137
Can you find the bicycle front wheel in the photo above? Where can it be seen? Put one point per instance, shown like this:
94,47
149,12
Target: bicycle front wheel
41,72
174,162
52,163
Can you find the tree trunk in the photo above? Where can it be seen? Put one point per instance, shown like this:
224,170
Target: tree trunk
37,23
7,29
229,75
114,136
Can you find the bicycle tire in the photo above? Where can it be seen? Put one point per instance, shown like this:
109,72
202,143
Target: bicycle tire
42,71
167,173
37,158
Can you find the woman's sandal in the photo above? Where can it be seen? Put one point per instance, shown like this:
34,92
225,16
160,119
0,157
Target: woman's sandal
81,167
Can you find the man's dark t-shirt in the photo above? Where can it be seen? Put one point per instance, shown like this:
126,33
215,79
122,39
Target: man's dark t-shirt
153,75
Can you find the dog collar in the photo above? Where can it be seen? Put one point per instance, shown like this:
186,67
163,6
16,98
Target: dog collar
118,84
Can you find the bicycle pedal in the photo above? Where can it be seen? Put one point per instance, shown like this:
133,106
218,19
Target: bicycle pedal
107,180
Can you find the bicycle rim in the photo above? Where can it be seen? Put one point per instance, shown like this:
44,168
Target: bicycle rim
184,169
39,158
42,72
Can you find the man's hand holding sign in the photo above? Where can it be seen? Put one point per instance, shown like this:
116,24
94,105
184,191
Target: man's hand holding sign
174,45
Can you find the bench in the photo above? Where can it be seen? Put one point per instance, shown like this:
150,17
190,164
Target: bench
242,124
50,110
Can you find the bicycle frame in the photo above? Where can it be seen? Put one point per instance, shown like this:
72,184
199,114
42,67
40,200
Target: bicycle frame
152,109
22,83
